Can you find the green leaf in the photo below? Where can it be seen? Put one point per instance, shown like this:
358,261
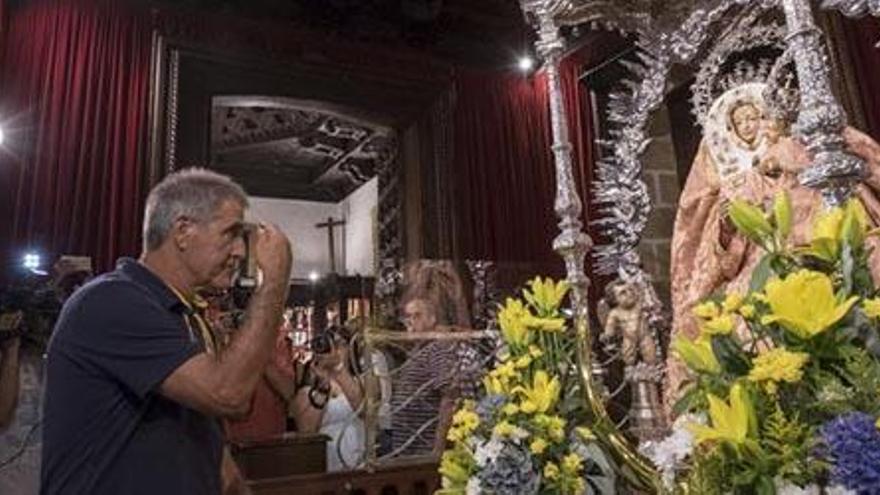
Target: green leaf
761,274
788,443
782,213
710,474
730,355
694,399
765,486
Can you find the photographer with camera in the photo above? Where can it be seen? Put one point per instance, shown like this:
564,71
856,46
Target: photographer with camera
134,386
29,307
332,398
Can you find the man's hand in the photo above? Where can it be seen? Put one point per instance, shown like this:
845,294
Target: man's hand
327,367
273,254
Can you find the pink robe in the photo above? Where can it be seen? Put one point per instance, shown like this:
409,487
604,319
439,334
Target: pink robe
702,263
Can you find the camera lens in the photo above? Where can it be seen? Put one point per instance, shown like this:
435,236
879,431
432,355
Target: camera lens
322,343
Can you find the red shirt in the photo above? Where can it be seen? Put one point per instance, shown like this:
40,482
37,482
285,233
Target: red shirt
268,416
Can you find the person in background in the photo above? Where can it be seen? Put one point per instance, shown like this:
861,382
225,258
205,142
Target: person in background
425,391
268,412
134,384
439,373
26,320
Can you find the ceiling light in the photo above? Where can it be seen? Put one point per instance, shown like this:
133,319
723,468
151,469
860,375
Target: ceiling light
31,261
314,276
525,63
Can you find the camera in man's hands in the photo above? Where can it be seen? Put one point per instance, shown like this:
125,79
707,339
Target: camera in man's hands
247,277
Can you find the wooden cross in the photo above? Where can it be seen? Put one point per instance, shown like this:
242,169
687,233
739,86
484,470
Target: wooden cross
329,225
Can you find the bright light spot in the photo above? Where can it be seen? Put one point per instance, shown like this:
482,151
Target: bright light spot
525,63
31,261
2,136
314,276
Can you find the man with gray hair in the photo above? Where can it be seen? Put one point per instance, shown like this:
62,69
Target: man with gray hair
134,388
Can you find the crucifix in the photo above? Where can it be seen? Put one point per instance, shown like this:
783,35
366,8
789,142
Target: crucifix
329,225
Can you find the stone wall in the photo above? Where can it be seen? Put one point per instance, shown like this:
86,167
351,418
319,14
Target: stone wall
661,177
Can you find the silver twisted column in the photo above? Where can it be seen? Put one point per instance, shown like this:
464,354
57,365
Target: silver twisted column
572,244
821,120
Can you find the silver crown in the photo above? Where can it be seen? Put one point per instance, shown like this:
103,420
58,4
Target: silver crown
781,94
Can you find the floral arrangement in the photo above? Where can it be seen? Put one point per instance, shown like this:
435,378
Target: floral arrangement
524,435
785,389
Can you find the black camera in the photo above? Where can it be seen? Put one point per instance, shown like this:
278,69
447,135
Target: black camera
324,341
248,276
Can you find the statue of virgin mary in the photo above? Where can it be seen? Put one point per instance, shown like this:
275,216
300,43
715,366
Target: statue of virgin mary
746,153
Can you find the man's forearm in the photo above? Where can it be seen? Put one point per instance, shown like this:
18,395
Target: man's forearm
284,385
351,389
242,364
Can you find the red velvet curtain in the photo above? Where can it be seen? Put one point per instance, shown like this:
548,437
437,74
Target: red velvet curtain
74,97
504,176
861,37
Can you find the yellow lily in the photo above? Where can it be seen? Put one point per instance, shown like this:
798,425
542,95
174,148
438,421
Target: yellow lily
871,307
495,385
546,295
544,324
512,319
855,223
826,234
697,355
730,422
524,362
837,224
541,395
804,303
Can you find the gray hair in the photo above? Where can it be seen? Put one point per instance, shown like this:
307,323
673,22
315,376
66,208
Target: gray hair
195,193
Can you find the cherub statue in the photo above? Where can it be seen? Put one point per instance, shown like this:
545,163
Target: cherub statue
626,321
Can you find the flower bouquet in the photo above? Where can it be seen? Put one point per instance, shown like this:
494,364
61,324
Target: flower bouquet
524,436
785,389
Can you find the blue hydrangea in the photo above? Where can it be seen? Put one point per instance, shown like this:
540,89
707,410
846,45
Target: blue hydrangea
512,473
852,441
488,407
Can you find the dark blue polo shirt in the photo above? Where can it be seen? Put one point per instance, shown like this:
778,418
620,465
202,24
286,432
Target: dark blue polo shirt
106,428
